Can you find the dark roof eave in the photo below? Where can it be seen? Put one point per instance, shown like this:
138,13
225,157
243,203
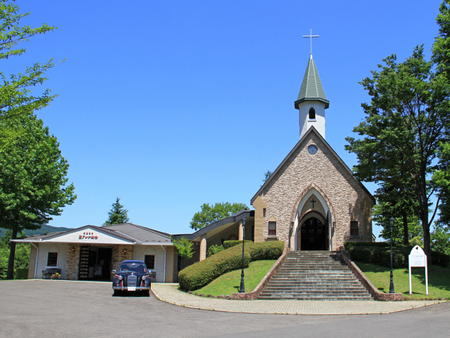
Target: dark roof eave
228,220
327,103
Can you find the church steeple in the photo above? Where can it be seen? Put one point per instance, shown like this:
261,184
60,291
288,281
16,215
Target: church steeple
311,102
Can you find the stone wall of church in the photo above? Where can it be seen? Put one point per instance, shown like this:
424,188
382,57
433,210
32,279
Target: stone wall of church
323,171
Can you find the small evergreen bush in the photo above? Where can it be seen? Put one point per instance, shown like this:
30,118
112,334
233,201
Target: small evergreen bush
202,273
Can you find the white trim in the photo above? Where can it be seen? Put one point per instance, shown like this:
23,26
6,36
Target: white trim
330,225
295,233
318,195
92,243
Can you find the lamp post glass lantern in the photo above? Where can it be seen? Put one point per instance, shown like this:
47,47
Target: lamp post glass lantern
391,284
242,287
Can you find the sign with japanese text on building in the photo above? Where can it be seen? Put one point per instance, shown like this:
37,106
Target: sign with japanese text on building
418,259
88,235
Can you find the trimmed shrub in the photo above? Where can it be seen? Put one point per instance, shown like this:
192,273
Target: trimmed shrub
440,259
380,254
230,244
202,273
213,249
21,273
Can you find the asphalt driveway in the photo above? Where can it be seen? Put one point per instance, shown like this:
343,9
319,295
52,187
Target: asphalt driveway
45,308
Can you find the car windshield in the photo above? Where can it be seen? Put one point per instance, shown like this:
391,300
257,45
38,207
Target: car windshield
133,267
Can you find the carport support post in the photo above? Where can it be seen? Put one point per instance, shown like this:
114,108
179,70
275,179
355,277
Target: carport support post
242,287
203,248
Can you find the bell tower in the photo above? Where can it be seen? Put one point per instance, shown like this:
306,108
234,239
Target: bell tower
311,102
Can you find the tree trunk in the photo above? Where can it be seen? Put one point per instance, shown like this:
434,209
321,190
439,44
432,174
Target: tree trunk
405,229
12,254
426,235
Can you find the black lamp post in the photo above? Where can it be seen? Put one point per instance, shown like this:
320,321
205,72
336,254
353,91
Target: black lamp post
242,288
391,285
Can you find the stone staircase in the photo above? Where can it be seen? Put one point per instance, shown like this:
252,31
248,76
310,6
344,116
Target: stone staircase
314,275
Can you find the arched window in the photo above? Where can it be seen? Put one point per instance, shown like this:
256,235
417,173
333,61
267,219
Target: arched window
312,114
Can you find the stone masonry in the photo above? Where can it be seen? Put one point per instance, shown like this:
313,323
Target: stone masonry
345,197
119,254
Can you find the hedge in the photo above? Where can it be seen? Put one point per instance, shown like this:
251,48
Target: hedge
229,244
202,273
380,254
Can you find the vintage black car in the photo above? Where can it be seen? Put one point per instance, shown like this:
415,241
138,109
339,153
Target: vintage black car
132,276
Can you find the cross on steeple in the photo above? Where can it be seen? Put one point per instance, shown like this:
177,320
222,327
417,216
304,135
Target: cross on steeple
312,202
310,36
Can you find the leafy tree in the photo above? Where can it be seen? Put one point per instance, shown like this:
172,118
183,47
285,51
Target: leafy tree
441,178
440,239
400,233
406,121
184,248
33,179
441,58
441,46
212,213
32,170
118,214
22,256
16,96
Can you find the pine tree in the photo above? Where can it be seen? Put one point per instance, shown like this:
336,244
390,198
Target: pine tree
118,214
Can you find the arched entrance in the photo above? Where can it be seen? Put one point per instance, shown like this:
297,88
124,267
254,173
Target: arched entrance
312,225
314,234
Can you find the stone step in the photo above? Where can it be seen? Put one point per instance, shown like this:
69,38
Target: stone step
317,298
316,292
313,283
321,273
338,291
314,275
313,294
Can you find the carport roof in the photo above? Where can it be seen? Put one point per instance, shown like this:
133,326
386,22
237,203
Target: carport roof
223,223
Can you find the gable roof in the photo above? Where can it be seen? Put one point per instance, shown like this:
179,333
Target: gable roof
126,233
293,151
311,89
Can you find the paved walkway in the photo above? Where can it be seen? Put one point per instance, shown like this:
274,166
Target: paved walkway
169,293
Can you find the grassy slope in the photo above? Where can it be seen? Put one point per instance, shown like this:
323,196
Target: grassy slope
230,282
438,280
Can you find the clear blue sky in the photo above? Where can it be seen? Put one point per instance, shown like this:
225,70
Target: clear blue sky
172,104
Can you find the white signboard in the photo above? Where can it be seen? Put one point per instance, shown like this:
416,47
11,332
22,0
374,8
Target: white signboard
417,258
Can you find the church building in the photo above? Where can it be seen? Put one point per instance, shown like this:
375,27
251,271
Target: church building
312,200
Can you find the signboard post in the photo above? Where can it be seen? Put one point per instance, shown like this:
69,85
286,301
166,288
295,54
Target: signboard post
417,258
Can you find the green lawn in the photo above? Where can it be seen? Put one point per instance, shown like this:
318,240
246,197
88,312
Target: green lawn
438,280
230,282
